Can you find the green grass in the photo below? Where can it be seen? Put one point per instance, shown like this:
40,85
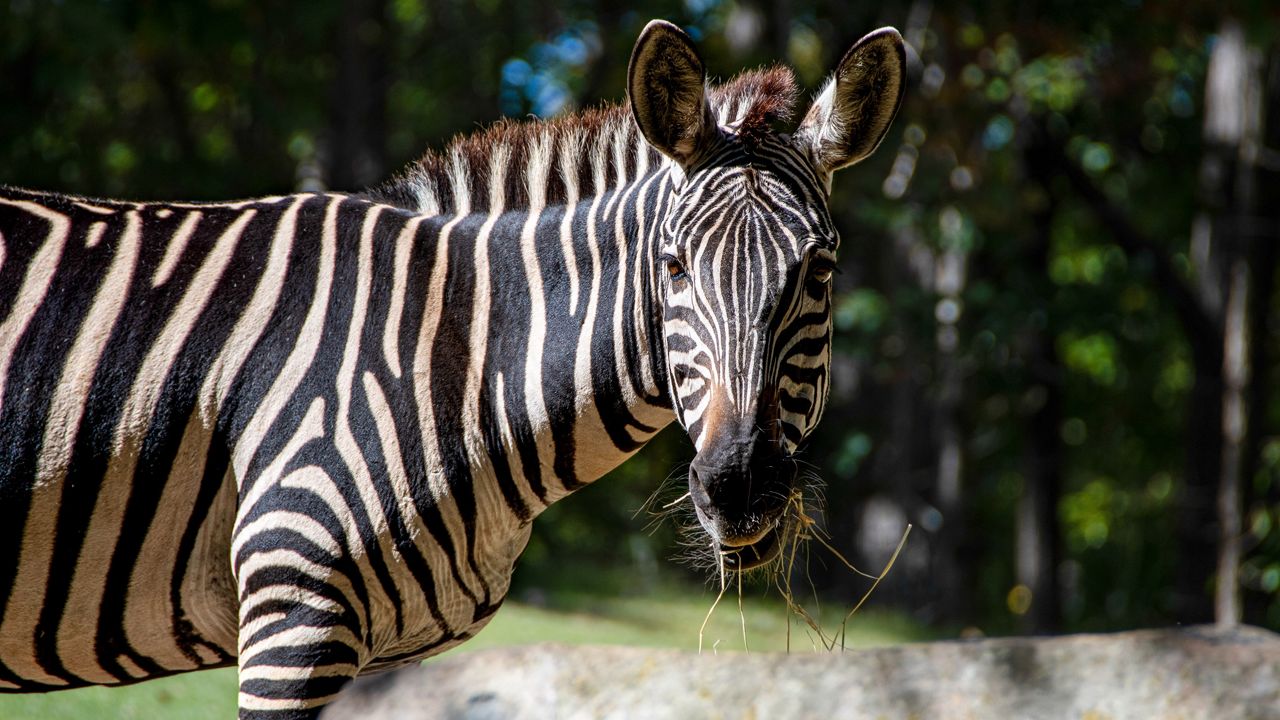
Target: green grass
206,694
672,619
667,618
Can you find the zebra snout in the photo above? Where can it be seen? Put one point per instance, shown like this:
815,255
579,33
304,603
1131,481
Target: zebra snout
738,499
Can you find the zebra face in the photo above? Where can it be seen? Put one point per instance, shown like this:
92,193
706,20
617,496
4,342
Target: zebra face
747,260
744,261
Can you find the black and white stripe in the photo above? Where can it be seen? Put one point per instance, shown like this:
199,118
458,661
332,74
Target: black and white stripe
307,434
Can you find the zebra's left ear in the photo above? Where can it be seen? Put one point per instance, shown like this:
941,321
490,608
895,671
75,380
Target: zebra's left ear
856,107
667,85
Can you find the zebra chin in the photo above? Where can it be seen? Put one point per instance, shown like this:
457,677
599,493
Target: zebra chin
747,530
763,551
743,550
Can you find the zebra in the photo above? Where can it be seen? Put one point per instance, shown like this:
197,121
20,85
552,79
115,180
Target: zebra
306,435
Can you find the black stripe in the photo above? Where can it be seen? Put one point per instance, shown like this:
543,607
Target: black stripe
450,356
559,348
401,398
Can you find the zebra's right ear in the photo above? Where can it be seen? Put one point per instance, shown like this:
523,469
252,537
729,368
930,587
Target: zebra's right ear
667,85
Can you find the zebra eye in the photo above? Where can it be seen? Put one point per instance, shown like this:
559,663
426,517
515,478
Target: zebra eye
674,269
823,271
680,373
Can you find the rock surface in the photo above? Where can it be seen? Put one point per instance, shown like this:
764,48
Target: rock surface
1178,674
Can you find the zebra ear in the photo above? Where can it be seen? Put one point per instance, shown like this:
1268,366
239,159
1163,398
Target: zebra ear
855,108
667,86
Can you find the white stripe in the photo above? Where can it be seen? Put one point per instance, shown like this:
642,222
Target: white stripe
94,235
513,461
252,323
34,284
478,342
420,626
296,365
644,412
285,672
433,461
305,525
383,418
253,702
296,564
175,246
459,181
96,208
399,284
17,631
130,667
425,194
535,404
493,518
594,452
570,156
645,256
66,410
299,636
349,448
293,594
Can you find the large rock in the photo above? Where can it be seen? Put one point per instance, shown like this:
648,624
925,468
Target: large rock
1180,674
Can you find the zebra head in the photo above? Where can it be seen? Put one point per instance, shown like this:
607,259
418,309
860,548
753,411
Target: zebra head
744,258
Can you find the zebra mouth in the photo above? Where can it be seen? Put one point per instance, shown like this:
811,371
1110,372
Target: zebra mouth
754,555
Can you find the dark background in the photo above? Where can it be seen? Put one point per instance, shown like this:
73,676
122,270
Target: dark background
1056,321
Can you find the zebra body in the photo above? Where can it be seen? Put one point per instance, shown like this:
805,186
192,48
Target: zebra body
308,434
209,358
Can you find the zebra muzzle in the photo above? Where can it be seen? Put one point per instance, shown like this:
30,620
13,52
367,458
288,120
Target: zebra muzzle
759,553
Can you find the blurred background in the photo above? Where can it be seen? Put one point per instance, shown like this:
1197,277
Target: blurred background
1057,318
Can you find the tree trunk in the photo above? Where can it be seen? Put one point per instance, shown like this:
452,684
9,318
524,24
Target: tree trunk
1195,502
1264,229
1235,372
950,279
357,145
1039,541
1232,131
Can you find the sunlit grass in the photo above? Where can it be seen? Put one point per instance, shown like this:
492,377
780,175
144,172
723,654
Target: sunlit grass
663,619
193,696
672,621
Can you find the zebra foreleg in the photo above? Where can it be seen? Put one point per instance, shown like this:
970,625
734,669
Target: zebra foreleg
298,648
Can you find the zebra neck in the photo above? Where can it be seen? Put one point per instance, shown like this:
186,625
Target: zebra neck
542,327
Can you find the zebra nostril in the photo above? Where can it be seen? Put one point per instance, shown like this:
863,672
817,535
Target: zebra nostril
695,483
698,488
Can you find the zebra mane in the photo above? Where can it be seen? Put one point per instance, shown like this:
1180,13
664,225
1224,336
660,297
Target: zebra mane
582,150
